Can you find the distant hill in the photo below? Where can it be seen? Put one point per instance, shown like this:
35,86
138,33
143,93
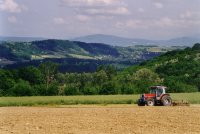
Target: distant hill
113,40
20,39
61,50
116,40
182,41
55,49
121,41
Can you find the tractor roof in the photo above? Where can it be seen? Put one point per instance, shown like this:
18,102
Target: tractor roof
158,87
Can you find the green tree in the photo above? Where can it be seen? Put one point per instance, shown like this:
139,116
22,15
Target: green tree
196,46
144,78
89,90
128,88
72,89
49,70
108,88
53,89
21,88
6,82
39,90
99,78
110,70
31,74
177,86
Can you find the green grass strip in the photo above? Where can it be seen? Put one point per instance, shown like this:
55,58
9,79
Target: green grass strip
193,98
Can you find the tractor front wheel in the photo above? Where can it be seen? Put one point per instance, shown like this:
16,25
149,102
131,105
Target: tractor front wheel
166,100
150,102
141,102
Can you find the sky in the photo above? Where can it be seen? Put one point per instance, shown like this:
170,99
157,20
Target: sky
66,19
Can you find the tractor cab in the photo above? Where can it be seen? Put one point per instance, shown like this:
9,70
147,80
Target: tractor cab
157,90
156,96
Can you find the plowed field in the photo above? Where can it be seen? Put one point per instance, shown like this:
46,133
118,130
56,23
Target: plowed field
114,119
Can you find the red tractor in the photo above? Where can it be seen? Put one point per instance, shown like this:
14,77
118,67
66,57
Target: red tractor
157,96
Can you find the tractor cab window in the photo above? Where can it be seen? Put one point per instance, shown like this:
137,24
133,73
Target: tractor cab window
159,92
152,90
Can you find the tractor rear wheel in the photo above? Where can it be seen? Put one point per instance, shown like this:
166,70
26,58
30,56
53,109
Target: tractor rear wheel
150,102
166,100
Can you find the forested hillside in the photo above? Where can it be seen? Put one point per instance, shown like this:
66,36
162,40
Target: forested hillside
74,54
55,49
178,70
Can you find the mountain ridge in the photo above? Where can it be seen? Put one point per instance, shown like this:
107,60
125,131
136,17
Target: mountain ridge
123,41
116,40
20,39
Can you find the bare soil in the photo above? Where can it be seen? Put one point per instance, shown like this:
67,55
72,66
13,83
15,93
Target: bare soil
114,119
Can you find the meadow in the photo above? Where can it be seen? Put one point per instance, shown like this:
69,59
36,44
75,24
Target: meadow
192,98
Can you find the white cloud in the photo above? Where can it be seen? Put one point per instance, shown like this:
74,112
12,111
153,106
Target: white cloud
12,19
132,24
175,23
141,10
190,15
92,2
98,7
11,6
83,18
121,10
106,11
158,5
59,20
165,21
